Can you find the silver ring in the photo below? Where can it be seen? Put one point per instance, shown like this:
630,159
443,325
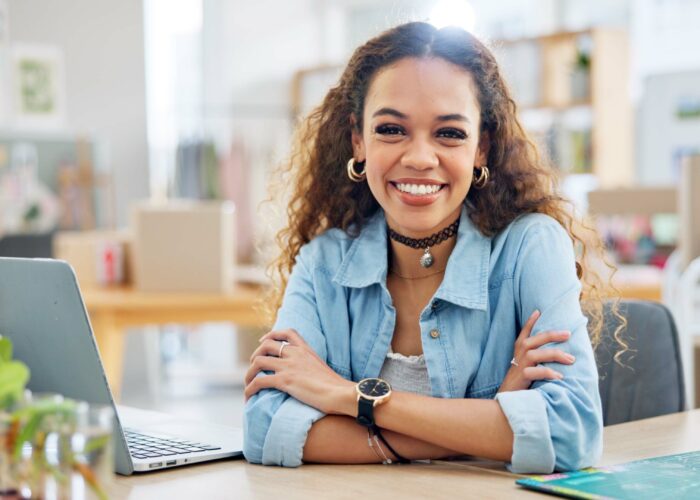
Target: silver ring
284,344
513,362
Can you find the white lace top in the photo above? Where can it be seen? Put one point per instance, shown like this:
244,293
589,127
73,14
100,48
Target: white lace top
406,373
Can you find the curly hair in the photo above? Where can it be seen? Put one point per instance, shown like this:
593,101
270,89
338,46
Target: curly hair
521,181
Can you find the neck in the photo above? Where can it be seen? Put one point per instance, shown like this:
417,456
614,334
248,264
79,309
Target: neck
405,261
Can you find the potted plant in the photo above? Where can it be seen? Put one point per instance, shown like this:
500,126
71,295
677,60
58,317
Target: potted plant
38,437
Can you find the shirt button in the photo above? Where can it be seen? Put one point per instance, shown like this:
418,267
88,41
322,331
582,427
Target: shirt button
434,333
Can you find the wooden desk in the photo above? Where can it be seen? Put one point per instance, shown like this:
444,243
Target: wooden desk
112,310
676,433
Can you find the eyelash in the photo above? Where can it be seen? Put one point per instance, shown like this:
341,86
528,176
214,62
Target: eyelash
453,133
446,133
388,130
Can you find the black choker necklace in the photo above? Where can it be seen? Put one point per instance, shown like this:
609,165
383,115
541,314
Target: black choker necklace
427,258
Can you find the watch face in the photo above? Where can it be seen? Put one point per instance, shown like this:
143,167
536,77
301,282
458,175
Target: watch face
374,388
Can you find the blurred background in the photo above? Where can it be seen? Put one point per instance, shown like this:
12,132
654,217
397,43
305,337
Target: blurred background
137,139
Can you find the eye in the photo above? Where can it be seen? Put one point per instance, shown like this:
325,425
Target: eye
452,133
389,129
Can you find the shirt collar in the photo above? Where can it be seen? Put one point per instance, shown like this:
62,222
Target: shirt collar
365,262
466,277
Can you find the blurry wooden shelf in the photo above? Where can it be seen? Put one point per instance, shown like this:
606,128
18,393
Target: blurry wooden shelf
558,107
639,282
642,200
574,70
113,310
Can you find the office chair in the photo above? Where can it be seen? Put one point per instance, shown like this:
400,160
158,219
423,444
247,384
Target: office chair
650,380
31,245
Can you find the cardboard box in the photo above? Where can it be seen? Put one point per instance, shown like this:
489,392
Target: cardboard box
184,246
99,258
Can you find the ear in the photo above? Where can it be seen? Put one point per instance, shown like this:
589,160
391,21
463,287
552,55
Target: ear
358,143
482,153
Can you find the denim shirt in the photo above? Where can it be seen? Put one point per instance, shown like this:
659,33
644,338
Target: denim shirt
338,301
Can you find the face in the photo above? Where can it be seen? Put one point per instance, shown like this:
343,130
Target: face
420,139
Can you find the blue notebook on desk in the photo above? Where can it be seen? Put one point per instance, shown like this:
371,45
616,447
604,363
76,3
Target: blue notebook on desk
674,477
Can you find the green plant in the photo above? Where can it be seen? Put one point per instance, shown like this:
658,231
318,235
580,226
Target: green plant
13,375
31,421
583,60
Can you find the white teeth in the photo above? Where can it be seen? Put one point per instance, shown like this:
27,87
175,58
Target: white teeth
419,189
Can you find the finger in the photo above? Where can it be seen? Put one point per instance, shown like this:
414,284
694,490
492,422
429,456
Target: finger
541,373
273,335
262,363
539,356
543,338
259,383
289,335
268,347
529,324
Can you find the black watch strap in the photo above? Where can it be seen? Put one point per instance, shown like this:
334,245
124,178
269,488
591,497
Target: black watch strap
365,412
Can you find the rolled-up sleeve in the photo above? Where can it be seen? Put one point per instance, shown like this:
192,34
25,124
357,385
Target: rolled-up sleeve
275,425
557,425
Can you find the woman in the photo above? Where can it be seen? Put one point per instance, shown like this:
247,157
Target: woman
428,251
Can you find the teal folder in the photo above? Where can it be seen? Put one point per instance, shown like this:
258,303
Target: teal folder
674,477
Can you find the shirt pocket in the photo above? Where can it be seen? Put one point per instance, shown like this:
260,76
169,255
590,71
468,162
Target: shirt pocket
483,392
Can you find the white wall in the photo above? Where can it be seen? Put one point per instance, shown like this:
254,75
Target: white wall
102,44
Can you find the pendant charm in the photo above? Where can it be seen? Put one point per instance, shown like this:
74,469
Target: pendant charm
427,259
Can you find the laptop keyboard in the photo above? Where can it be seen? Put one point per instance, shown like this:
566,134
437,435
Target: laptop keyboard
150,446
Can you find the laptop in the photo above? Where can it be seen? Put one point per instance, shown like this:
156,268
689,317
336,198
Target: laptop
42,312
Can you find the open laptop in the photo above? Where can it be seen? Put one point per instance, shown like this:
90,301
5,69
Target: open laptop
42,312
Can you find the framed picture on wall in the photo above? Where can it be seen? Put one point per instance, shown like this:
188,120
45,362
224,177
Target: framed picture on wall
39,86
309,86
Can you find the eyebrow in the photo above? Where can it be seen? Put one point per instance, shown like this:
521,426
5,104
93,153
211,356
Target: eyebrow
399,114
453,116
389,111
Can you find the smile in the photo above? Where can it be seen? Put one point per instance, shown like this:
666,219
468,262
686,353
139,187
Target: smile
420,193
416,189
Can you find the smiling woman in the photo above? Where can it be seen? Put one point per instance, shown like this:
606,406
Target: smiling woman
431,295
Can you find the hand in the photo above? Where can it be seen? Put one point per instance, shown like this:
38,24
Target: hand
528,356
299,372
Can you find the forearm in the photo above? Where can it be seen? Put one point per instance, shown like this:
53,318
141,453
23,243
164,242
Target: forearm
339,439
469,426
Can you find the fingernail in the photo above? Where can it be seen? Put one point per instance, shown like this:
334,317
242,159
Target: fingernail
570,358
559,376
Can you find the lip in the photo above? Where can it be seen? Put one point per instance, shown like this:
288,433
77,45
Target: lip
416,200
409,180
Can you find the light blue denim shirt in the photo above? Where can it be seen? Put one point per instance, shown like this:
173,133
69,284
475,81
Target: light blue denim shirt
338,301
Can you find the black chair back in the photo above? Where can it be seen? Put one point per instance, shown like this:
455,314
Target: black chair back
30,246
650,380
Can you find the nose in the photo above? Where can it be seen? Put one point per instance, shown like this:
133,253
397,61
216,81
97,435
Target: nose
420,155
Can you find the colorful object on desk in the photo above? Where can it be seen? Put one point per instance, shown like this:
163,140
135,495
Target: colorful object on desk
671,476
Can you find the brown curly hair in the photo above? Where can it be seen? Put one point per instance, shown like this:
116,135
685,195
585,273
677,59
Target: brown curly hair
520,180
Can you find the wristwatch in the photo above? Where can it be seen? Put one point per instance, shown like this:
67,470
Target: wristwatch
370,393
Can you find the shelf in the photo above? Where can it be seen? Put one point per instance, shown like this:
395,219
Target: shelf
558,107
634,201
573,98
548,37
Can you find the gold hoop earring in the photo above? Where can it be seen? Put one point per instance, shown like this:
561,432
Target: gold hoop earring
352,174
479,181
